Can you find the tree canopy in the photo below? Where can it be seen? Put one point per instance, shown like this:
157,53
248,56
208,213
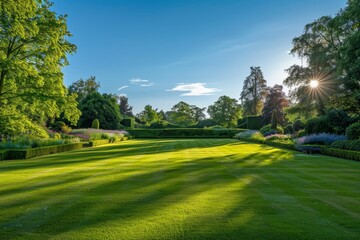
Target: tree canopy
225,111
33,50
254,92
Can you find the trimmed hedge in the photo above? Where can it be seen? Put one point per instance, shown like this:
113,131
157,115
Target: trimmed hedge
94,143
251,122
3,154
184,133
352,145
352,155
128,122
36,152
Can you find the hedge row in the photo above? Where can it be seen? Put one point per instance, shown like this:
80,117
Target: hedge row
3,154
104,141
184,133
347,154
36,152
352,155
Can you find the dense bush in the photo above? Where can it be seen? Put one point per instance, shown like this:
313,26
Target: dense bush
205,123
97,134
95,124
318,125
280,137
298,125
250,134
301,133
24,142
267,130
128,122
322,138
289,129
250,122
353,145
338,121
353,131
159,124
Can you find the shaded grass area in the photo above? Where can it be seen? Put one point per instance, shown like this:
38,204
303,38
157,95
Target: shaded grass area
180,189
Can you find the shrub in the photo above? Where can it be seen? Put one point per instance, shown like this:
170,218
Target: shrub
159,124
289,129
274,120
205,123
250,134
322,138
250,122
57,136
353,145
338,120
128,122
318,125
57,126
353,131
298,125
281,137
267,130
66,129
95,124
301,133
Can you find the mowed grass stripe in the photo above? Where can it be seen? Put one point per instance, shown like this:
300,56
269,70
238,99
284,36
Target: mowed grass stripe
180,189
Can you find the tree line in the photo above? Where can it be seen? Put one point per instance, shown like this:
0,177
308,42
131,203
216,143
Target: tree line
34,46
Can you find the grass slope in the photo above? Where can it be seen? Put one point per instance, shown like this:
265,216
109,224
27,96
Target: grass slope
180,189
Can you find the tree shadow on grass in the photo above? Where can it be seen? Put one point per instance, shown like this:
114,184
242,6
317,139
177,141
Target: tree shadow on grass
140,203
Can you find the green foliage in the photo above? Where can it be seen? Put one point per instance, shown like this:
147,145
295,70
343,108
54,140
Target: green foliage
128,122
225,111
353,131
335,152
298,125
185,115
33,49
205,123
84,87
274,119
184,133
254,92
124,107
289,129
148,115
353,145
268,130
101,107
40,151
95,124
318,125
301,133
275,101
251,122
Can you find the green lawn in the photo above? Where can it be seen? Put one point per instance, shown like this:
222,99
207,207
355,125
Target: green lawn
180,189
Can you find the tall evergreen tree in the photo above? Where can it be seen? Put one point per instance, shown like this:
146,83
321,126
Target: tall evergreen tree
254,92
125,108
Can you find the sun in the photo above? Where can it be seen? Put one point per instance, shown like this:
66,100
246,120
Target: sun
314,83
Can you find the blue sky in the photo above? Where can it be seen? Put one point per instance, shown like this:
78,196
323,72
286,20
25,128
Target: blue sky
162,52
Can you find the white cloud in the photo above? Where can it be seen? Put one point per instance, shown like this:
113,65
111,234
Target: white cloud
194,89
141,82
123,87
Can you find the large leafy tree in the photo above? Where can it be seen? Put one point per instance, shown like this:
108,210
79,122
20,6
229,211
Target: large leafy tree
33,49
102,107
148,115
125,108
330,47
254,92
225,111
275,102
84,87
185,114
